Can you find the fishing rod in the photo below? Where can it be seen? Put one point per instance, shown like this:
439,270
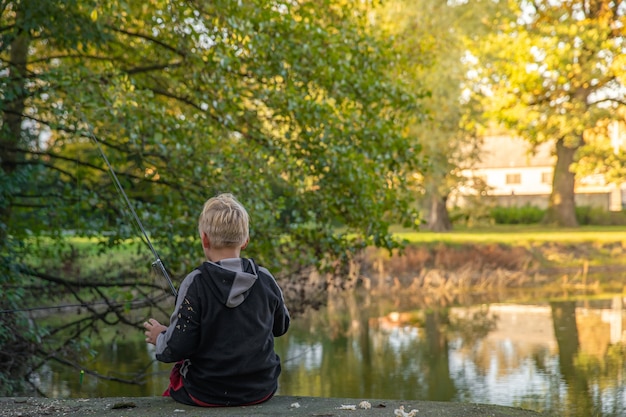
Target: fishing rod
157,264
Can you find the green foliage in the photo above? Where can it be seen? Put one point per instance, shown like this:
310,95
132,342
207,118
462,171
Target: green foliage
526,214
486,214
532,215
288,106
588,215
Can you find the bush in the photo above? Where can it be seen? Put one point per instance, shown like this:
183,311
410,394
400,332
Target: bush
517,215
527,214
587,215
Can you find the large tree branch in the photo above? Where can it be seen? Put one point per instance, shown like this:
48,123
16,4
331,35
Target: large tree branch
56,156
153,67
88,135
73,56
84,284
183,99
77,327
130,70
149,38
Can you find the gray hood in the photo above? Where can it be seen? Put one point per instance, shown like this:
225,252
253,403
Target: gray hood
232,279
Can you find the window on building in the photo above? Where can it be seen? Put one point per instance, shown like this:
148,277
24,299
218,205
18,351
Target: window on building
546,177
513,178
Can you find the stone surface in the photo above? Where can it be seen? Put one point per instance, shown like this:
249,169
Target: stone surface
276,407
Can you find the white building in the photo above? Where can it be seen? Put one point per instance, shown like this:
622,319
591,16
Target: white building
515,176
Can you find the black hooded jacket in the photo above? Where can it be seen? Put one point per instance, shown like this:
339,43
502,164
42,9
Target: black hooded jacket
223,327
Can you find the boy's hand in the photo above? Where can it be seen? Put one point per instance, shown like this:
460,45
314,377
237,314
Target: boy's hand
153,329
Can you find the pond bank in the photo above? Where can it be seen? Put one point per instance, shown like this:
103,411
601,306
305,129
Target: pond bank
276,407
446,273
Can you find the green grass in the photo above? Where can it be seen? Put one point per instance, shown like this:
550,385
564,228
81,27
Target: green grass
88,254
522,235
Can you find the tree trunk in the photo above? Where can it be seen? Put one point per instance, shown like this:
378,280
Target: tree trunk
561,207
438,218
568,341
440,384
12,110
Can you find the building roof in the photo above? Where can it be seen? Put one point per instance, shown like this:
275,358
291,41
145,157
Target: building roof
510,152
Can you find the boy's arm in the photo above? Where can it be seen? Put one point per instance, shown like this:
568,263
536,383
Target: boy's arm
181,338
281,314
281,319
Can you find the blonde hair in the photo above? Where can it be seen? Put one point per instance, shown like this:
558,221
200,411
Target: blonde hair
225,221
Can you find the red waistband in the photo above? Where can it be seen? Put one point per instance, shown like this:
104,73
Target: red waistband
203,404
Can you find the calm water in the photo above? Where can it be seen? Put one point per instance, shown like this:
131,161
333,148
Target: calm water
563,357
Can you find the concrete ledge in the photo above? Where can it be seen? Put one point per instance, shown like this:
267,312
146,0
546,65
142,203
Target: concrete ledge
277,406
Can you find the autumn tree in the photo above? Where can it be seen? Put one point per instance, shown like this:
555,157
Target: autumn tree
553,71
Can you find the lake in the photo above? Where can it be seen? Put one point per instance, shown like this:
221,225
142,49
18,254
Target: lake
549,353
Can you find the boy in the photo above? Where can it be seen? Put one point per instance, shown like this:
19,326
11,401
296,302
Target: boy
228,311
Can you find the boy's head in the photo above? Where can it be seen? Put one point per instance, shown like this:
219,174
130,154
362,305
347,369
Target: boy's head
224,221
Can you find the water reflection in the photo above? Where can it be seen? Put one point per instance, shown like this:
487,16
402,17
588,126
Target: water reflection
562,357
126,364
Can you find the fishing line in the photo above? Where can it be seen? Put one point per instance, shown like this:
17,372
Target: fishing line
157,264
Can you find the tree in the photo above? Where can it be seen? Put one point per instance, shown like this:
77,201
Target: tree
430,36
553,71
287,105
